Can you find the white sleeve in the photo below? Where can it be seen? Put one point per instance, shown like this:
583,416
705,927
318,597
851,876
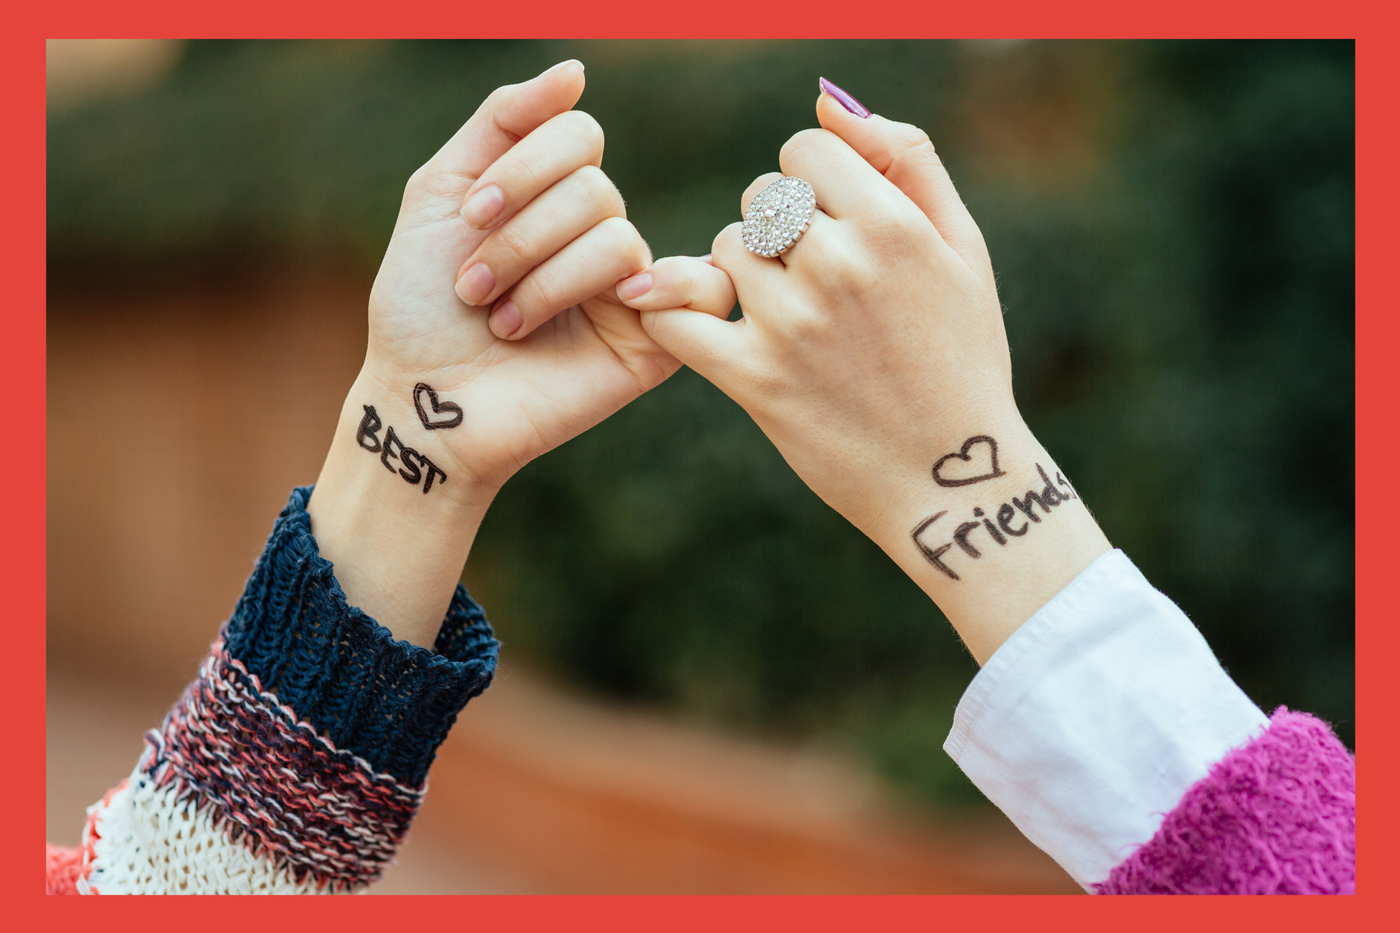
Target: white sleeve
1094,718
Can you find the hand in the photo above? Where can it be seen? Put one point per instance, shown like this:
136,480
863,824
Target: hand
494,315
874,349
510,224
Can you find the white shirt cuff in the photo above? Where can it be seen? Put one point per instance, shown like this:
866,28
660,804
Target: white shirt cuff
1089,724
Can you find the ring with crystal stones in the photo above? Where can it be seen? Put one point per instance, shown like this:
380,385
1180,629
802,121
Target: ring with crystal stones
778,216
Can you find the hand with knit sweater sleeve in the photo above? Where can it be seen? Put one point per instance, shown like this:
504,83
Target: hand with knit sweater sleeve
872,353
495,335
297,759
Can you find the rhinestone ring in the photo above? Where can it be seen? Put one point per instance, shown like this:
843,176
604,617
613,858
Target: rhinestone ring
778,216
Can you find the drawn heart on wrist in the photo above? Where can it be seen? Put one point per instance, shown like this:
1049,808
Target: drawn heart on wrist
975,462
438,408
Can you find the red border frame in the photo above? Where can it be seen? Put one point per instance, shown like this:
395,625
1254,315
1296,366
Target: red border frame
1377,447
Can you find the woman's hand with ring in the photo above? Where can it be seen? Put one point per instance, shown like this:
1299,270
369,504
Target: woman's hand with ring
870,350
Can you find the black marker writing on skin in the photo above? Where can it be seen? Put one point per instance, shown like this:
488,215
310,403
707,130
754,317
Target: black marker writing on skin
975,462
454,410
997,536
369,425
1004,516
1046,497
415,465
933,555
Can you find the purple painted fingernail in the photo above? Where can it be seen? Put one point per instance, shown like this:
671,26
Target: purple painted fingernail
844,99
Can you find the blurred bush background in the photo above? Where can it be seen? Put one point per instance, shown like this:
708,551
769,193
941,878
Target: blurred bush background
1172,225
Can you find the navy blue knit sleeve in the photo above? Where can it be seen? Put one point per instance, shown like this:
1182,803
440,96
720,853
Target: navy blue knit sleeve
387,702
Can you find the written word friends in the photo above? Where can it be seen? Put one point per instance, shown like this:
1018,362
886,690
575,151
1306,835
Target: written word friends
415,466
1002,529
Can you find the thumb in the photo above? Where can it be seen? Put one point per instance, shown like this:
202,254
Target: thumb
905,156
507,115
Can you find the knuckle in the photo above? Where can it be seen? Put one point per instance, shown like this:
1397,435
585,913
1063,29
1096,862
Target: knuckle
536,296
587,130
912,145
519,177
617,232
889,226
677,277
728,239
799,143
910,136
598,188
511,243
497,98
623,243
835,263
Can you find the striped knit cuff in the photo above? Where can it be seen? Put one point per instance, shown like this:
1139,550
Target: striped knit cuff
387,702
298,757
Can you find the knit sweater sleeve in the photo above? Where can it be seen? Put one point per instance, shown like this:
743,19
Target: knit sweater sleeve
298,757
1107,731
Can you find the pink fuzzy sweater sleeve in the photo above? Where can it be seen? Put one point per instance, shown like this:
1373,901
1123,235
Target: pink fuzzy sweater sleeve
1276,816
1108,732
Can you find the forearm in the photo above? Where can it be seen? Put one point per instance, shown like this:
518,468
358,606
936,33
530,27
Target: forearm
393,512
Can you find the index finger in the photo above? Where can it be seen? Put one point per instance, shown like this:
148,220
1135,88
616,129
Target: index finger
846,184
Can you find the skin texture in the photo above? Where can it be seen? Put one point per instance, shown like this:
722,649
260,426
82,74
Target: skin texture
871,349
534,350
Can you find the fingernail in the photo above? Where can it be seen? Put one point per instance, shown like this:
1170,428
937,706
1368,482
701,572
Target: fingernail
635,286
506,320
708,257
844,99
562,65
476,283
482,207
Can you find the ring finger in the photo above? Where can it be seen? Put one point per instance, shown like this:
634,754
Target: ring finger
572,206
819,217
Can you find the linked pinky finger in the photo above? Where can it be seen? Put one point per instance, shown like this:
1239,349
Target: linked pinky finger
680,282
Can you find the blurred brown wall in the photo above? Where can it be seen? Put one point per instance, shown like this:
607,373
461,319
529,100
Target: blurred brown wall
177,425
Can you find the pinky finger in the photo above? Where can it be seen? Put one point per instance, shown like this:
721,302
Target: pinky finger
680,282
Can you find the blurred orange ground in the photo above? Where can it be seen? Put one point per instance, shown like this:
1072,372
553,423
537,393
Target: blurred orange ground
177,423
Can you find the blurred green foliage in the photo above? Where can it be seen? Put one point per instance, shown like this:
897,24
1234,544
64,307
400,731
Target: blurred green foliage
1172,225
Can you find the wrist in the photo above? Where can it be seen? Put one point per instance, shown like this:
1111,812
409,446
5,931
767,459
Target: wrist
438,423
991,531
395,513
